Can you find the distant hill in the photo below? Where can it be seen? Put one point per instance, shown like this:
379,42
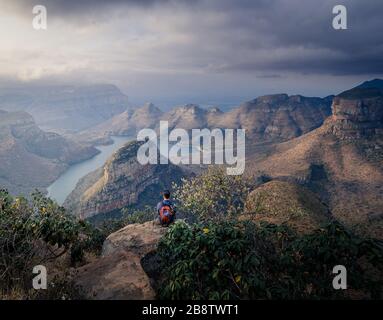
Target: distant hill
32,158
63,108
127,123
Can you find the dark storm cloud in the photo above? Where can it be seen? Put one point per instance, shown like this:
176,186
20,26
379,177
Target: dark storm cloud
263,37
81,7
298,36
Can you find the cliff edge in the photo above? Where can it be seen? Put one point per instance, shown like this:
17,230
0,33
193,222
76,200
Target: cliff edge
118,274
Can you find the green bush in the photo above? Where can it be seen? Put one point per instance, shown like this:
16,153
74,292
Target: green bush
37,231
311,260
213,195
139,216
241,260
224,260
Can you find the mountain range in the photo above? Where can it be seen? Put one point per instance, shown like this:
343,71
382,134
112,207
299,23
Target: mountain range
268,118
342,160
332,146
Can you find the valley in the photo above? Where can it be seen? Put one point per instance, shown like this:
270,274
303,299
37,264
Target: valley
68,180
313,170
331,145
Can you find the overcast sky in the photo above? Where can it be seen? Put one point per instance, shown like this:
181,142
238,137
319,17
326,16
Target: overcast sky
200,51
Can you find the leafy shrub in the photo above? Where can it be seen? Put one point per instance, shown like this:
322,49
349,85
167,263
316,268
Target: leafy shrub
241,260
139,216
224,260
129,216
36,232
212,195
312,258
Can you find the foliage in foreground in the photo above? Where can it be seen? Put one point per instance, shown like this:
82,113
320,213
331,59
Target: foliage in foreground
38,231
241,260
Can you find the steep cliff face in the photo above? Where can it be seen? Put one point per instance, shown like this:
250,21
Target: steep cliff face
122,182
277,117
358,113
341,161
31,158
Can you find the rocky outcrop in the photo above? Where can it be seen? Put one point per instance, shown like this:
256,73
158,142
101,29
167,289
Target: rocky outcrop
277,117
357,113
118,274
123,182
139,239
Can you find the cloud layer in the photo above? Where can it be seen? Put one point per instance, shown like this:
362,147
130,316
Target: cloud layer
199,45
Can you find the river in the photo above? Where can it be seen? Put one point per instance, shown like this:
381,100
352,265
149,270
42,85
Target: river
67,181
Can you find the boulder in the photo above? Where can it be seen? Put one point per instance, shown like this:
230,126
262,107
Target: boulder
135,238
118,274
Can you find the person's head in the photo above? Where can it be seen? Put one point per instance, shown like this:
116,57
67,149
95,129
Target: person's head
166,194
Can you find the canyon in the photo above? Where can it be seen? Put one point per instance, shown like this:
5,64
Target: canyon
332,146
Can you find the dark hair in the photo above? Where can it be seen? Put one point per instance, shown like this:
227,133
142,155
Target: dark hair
166,194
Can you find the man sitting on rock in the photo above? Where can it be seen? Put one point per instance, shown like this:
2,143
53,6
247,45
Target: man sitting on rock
166,210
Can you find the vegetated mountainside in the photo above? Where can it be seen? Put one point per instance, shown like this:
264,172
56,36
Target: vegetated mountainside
341,161
31,158
65,108
123,182
267,118
282,202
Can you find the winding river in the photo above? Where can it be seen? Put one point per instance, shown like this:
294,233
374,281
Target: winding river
66,183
